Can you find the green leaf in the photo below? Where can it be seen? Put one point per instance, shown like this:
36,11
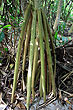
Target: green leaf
0,53
6,49
55,36
15,24
0,26
7,26
2,35
59,27
12,17
63,25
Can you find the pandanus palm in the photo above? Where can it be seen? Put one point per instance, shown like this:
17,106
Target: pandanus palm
37,31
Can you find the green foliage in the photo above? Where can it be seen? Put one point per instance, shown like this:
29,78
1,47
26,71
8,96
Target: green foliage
7,26
61,40
0,53
55,36
2,35
12,17
6,49
61,27
67,8
0,26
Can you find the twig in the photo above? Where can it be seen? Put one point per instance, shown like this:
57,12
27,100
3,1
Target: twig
68,75
46,103
62,66
66,92
3,72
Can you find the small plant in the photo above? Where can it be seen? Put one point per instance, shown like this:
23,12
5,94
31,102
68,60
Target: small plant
36,36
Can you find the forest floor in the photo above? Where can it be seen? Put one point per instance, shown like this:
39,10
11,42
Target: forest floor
64,81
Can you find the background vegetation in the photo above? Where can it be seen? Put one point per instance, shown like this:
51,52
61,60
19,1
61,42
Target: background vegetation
30,32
